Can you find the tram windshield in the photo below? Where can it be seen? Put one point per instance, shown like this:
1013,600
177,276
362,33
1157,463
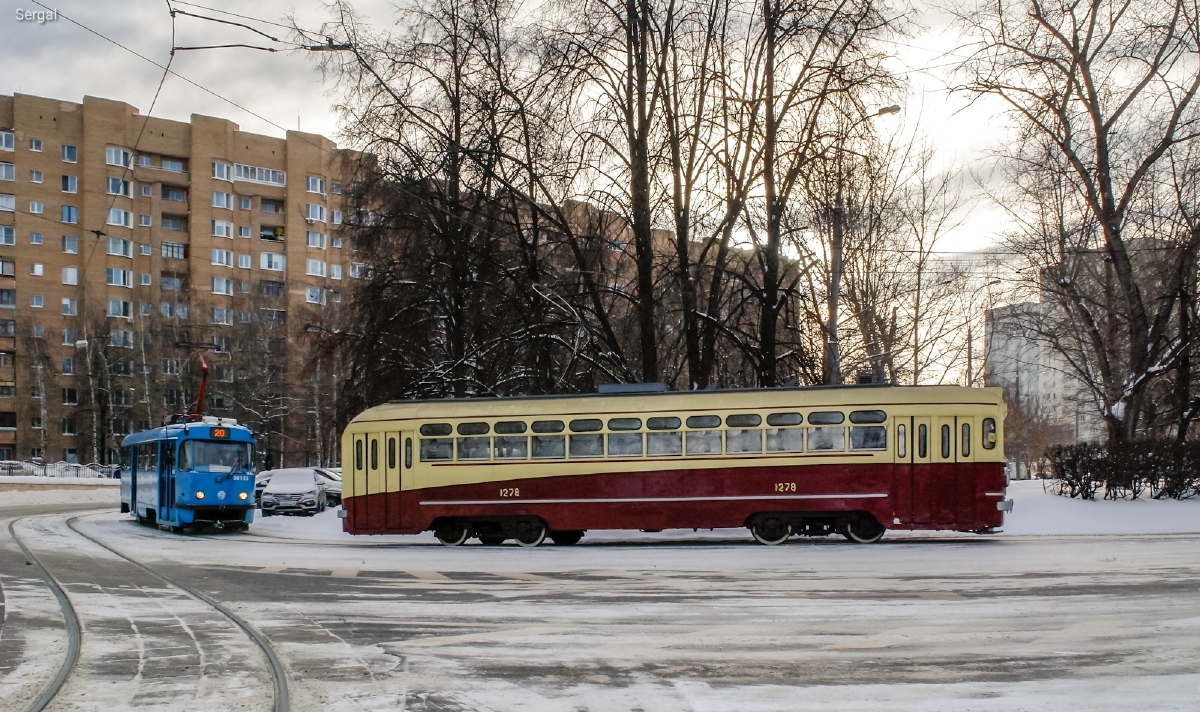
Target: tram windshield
214,456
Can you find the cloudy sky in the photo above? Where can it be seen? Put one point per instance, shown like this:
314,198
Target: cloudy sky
59,59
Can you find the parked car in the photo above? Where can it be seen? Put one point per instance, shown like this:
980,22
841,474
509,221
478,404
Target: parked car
293,491
332,477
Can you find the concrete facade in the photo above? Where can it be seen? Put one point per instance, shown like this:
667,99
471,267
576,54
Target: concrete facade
130,244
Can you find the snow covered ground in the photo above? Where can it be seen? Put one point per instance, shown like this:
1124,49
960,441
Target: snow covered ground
24,490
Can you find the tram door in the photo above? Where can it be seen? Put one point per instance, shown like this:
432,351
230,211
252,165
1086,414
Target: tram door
376,515
358,481
964,474
407,473
166,479
922,470
944,495
391,481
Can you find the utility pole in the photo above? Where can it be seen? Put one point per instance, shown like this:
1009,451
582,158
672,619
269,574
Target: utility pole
833,371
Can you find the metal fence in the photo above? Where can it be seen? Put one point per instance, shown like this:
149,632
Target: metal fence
57,469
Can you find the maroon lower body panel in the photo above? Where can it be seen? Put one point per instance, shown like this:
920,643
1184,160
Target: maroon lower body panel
958,497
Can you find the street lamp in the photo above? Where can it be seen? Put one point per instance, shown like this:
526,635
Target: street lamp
833,373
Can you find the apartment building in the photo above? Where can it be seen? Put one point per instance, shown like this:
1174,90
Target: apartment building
132,246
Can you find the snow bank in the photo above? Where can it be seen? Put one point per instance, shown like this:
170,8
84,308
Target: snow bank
105,495
42,480
1035,512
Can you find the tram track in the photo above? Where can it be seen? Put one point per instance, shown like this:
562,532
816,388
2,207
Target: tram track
280,694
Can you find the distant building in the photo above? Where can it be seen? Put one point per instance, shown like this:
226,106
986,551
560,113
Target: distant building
130,243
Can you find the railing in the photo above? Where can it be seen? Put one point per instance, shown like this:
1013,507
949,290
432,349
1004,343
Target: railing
57,469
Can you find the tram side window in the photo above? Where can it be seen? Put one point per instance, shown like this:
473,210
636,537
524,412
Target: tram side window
946,447
148,456
432,449
743,435
432,430
374,454
547,446
704,439
358,454
621,443
966,439
408,453
510,447
664,437
587,445
922,441
989,433
901,441
785,439
826,439
391,455
868,437
474,448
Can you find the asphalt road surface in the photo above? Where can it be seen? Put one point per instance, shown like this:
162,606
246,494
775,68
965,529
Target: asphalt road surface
644,623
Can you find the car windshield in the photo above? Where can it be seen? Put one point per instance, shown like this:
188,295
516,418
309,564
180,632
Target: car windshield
292,478
215,456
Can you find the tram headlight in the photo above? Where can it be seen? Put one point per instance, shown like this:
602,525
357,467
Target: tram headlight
199,495
242,496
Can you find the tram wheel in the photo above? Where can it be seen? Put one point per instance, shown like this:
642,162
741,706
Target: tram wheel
566,538
531,533
771,535
452,533
864,530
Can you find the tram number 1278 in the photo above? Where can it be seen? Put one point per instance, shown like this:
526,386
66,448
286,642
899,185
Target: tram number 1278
785,486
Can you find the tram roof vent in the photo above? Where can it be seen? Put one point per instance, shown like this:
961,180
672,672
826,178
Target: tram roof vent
614,388
213,420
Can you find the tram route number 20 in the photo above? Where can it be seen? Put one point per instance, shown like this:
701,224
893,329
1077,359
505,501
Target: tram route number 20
785,486
510,491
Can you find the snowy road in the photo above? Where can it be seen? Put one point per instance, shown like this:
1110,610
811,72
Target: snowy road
617,623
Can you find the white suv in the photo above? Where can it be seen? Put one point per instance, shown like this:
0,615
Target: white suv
298,490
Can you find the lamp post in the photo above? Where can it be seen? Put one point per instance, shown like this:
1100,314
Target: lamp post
838,214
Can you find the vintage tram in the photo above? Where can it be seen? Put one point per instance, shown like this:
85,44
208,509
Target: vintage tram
853,460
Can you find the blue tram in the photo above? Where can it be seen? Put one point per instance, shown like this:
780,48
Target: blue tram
195,471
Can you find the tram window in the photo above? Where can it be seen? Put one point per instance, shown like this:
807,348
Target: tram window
358,454
473,428
548,447
432,450
663,423
474,448
704,442
547,426
435,429
901,440
868,416
408,453
391,461
586,425
785,439
922,441
704,421
665,443
826,439
625,424
743,420
587,445
966,439
510,427
743,440
867,437
785,419
625,444
374,454
826,417
510,447
989,433
946,448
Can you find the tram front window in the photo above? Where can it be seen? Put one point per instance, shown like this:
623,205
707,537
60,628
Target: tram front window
210,456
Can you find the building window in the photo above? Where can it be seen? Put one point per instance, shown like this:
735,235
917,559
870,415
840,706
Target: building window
222,285
122,338
35,176
271,289
273,262
223,316
70,275
118,157
174,251
120,247
173,223
35,145
8,171
120,218
37,301
37,269
335,271
117,277
70,244
8,298
6,141
144,249
68,366
176,310
175,165
336,189
8,203
147,191
170,284
316,185
144,220
335,242
117,186
178,195
221,171
38,331
146,309
222,199
314,268
145,161
8,235
358,270
70,184
245,203
315,212
146,280
8,327
244,261
316,239
69,336
70,307
36,207
313,295
120,309
35,238
243,231
8,389
337,217
70,214
245,317
222,228
70,154
70,396
274,317
254,174
223,258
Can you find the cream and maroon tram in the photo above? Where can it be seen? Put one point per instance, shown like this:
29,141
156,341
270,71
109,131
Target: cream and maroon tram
850,460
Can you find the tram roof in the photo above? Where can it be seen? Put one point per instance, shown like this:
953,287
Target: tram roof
727,399
237,433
